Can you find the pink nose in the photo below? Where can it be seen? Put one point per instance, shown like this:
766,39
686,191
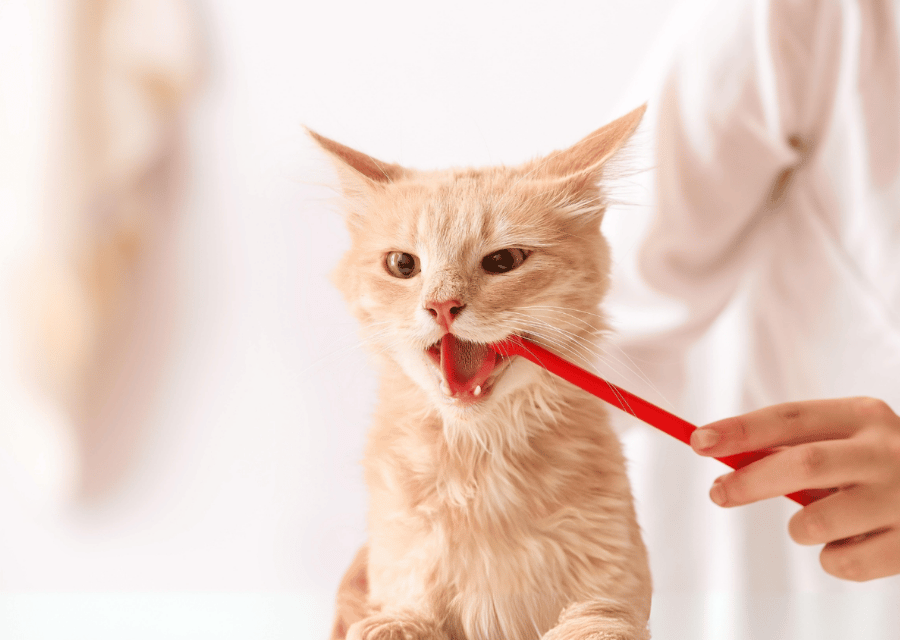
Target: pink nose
445,313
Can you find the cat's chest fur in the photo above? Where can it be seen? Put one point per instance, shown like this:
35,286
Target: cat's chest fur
496,536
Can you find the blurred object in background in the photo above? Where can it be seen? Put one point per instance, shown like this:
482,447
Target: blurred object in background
101,199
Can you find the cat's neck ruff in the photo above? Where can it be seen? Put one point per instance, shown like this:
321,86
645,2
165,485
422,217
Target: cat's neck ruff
507,421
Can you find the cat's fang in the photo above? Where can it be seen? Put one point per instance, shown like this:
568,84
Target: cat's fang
477,391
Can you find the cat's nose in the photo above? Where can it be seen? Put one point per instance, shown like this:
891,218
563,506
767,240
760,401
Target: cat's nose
444,313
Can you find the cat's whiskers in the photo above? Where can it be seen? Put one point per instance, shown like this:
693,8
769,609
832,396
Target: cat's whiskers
631,365
565,345
344,350
567,342
586,340
588,331
388,347
565,310
605,356
572,342
586,334
590,346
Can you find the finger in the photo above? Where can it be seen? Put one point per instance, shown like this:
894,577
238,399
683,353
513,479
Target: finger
817,465
874,556
849,512
789,424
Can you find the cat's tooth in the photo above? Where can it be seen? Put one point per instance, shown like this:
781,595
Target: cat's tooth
477,390
445,389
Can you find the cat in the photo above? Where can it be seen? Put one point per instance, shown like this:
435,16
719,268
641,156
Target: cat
500,506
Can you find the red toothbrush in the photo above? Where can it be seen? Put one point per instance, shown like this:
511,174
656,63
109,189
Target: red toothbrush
630,403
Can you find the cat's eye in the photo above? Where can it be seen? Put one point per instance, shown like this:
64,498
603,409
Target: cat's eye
504,260
401,265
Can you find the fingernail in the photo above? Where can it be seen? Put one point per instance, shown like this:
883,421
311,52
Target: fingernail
717,493
703,439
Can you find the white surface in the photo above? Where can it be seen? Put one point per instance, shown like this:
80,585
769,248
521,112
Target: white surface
173,616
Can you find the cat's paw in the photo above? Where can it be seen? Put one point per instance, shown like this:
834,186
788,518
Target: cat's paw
599,619
394,627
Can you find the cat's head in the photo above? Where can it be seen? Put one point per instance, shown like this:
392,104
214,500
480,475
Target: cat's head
444,263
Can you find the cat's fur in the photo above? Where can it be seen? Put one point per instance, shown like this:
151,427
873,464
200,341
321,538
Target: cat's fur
504,515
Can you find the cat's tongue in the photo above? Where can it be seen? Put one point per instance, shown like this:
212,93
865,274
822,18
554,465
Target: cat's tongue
465,365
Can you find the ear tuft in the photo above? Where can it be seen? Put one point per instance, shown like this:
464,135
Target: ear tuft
350,161
589,155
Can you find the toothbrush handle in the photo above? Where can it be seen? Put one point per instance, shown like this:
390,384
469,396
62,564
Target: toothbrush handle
632,404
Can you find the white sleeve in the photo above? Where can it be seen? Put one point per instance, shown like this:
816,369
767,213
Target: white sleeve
746,97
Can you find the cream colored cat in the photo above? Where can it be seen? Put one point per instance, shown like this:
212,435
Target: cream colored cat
500,507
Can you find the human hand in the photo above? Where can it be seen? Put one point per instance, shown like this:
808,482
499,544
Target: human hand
848,444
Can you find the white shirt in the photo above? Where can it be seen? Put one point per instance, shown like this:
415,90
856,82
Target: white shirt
775,241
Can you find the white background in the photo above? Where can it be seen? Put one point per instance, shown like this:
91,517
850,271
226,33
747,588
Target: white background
242,501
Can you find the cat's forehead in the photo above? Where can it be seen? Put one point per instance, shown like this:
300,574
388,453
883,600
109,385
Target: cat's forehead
469,209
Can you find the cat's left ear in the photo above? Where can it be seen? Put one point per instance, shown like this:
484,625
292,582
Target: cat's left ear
359,173
584,161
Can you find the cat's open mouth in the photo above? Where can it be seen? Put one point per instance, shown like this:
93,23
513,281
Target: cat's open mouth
468,370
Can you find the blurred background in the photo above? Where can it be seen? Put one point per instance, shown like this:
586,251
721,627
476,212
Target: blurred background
183,401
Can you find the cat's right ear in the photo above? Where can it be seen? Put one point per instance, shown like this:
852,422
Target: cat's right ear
587,157
359,173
